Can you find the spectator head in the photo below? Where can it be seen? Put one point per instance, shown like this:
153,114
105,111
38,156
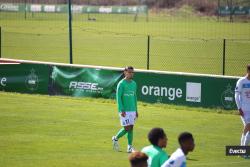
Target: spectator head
186,142
157,137
138,159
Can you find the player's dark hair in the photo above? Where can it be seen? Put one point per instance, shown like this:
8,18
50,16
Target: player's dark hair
184,136
155,134
136,158
128,68
248,67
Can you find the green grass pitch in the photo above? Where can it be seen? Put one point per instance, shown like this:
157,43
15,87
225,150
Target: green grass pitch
43,131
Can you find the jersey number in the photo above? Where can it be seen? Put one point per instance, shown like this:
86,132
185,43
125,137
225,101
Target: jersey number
127,121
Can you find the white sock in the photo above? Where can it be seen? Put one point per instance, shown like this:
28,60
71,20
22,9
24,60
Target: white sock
242,139
247,139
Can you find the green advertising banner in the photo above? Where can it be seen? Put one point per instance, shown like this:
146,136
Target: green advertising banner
191,90
12,7
235,10
89,82
45,8
24,78
153,87
115,9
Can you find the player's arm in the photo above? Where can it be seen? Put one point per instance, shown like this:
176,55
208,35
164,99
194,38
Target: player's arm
119,93
238,97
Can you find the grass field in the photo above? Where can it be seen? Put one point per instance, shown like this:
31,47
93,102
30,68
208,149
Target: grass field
43,131
185,43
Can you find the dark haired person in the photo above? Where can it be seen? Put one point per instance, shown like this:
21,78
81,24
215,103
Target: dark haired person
127,108
138,159
242,98
158,139
178,158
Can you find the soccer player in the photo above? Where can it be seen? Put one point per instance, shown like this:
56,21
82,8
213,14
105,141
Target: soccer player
178,158
242,98
158,139
127,108
138,159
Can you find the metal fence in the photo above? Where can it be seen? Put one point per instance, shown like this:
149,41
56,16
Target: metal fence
174,38
226,57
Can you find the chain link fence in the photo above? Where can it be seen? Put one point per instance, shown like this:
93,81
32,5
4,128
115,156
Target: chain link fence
182,37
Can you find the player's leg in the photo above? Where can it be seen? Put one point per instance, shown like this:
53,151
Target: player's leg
121,133
115,138
243,132
246,137
130,138
124,123
132,116
247,134
242,138
130,134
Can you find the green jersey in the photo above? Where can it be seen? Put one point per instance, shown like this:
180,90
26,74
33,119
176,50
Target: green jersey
156,156
126,96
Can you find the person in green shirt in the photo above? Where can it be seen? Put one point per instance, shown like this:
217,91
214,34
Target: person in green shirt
157,156
127,108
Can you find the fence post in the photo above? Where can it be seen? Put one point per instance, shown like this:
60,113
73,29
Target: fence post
88,12
231,11
218,13
25,13
224,57
148,52
70,33
0,42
